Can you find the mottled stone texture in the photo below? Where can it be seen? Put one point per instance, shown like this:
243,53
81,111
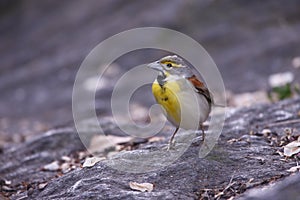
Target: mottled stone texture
286,189
250,161
42,46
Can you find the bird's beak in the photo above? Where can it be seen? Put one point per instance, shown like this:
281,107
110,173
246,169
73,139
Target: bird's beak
156,66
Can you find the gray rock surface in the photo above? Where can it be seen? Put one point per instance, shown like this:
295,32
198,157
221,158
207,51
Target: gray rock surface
44,42
23,164
42,46
239,162
287,189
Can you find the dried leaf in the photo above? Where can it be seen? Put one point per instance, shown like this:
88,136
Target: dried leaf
66,158
6,182
42,185
291,148
141,186
6,188
54,166
101,142
219,195
65,167
156,139
89,162
294,169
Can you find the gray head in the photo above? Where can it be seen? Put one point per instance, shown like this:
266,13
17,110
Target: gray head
172,65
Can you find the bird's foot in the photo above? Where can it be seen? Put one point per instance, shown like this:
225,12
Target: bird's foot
202,135
171,146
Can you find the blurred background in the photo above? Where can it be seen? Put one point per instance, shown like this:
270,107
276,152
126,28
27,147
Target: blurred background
254,43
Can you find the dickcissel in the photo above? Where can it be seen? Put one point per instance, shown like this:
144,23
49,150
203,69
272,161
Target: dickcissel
185,99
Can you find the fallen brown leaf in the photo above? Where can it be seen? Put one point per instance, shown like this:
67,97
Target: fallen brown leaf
89,162
292,148
141,186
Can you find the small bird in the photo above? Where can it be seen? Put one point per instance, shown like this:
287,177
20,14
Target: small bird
176,88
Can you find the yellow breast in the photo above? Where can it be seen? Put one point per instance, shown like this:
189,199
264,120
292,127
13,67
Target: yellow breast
165,96
183,107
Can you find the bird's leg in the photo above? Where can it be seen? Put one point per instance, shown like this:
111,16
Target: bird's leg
172,138
203,133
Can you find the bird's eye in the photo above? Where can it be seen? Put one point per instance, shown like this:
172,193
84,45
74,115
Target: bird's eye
169,65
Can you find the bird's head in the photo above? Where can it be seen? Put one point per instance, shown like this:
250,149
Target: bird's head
171,65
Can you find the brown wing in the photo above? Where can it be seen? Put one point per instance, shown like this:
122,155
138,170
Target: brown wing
201,88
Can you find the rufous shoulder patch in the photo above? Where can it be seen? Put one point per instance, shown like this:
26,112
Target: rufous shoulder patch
195,81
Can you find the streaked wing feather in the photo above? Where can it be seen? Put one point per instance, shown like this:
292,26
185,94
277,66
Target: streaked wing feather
201,88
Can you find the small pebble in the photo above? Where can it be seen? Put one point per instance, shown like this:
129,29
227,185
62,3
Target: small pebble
288,131
6,188
280,79
266,132
296,62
